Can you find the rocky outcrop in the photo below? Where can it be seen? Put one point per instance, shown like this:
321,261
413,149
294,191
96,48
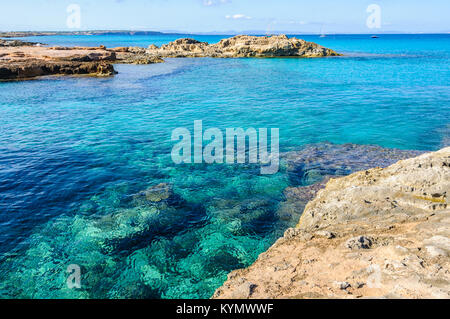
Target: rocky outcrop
181,48
22,60
135,55
16,43
243,46
275,46
34,68
161,193
382,232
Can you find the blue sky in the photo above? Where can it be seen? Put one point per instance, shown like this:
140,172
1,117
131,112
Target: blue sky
297,16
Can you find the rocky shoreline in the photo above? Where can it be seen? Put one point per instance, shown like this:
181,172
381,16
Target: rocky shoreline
24,60
243,46
378,233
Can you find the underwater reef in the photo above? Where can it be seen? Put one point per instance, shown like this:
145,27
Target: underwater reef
156,243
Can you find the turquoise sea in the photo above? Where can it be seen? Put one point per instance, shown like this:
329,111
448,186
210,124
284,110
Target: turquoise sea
74,152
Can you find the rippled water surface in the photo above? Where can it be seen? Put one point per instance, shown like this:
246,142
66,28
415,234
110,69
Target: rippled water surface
74,152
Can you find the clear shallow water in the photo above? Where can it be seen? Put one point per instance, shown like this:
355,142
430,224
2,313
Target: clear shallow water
73,151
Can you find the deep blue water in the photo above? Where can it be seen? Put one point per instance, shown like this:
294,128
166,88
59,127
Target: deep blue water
74,151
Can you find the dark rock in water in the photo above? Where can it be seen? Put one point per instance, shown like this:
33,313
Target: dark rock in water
305,193
161,195
296,199
317,163
255,215
156,193
152,213
314,162
135,229
16,43
247,211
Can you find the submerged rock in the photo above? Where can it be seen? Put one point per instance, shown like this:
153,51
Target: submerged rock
316,161
316,164
156,193
296,199
120,254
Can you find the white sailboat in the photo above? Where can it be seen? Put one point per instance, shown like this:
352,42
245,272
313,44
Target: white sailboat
322,35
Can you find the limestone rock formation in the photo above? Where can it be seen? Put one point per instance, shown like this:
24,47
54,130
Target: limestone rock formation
22,60
16,43
181,48
376,233
26,60
34,68
243,46
275,46
135,55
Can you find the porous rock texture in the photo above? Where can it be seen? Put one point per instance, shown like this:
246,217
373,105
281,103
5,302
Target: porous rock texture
243,46
26,60
378,233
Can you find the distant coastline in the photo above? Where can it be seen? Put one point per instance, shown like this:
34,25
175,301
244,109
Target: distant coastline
22,34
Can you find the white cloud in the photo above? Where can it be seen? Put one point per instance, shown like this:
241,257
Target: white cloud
238,16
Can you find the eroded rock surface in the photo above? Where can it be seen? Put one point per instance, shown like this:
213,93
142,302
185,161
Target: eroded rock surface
243,46
316,164
16,43
135,55
22,60
375,233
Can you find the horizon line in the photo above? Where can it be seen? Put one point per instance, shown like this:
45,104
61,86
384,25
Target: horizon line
230,32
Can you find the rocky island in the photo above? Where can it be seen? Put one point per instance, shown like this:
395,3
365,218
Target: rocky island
24,60
381,232
243,46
